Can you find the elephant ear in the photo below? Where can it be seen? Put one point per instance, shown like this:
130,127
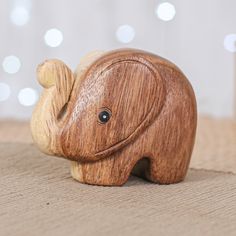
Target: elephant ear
133,90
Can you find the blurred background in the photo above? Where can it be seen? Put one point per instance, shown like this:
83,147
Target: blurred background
198,36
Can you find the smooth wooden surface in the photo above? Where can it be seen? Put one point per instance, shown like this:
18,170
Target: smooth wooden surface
39,197
153,118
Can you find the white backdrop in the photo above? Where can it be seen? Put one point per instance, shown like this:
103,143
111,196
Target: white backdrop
193,34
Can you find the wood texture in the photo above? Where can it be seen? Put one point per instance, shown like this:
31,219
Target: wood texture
152,126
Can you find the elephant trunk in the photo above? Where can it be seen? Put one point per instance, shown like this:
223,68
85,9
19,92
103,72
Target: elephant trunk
57,81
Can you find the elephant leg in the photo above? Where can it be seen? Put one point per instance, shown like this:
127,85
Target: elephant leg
166,170
112,171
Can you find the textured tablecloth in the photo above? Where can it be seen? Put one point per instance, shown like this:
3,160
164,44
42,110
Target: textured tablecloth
39,197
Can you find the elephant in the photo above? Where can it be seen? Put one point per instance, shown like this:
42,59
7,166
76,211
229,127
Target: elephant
124,111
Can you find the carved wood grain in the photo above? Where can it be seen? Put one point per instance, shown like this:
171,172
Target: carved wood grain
152,126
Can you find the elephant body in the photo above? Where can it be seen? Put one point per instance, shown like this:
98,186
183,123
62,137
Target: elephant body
151,112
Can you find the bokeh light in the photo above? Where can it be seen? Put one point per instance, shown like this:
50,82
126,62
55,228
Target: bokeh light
27,97
19,16
125,33
4,91
11,64
230,42
165,11
53,37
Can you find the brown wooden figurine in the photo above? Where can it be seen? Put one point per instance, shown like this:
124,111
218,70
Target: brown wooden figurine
123,111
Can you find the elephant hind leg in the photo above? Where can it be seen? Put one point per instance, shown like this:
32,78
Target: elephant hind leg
160,171
164,171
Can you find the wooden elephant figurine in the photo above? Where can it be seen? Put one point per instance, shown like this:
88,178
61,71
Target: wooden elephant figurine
122,111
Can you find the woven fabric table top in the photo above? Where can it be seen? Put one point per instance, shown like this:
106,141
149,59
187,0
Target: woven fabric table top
39,197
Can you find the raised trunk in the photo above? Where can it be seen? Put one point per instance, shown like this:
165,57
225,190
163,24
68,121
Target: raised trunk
49,116
57,80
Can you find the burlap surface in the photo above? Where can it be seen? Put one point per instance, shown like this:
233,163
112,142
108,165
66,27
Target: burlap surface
39,197
15,131
215,147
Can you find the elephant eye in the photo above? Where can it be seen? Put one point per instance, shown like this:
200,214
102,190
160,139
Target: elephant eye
104,116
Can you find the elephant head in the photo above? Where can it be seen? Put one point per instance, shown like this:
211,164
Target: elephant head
111,100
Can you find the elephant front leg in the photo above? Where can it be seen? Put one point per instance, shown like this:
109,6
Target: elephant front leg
111,171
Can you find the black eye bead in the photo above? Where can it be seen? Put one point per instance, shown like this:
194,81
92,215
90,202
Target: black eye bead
104,116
